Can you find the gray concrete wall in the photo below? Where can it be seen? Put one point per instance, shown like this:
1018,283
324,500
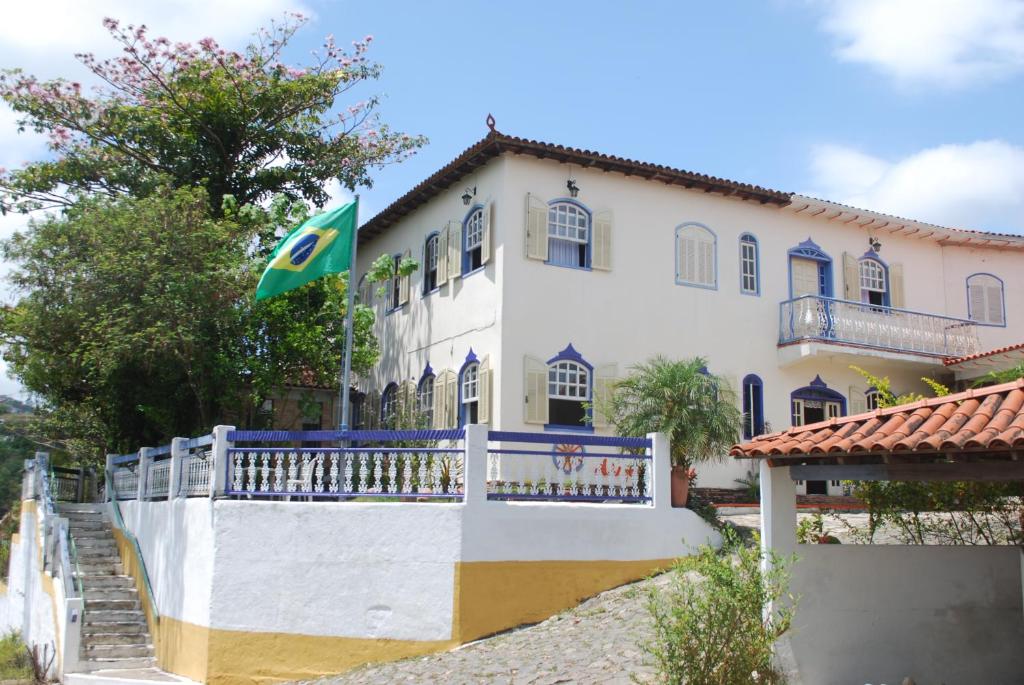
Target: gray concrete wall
877,614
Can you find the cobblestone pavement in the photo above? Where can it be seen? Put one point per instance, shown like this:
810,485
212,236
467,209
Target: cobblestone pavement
596,642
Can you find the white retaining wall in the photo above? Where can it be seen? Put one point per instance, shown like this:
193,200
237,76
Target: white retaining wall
880,613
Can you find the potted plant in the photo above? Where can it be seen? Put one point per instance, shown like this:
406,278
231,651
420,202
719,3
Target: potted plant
681,398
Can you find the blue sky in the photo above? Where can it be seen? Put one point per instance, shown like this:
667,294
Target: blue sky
906,106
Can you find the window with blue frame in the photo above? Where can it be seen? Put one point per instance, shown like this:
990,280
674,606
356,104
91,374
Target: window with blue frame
430,255
473,241
389,405
394,295
753,406
985,299
425,397
568,234
874,282
696,258
469,393
568,390
750,276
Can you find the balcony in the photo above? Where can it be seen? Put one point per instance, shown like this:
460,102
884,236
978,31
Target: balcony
828,325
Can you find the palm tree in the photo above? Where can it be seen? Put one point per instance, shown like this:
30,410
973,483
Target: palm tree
695,408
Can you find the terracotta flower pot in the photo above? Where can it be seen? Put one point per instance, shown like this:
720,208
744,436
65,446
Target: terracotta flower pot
680,486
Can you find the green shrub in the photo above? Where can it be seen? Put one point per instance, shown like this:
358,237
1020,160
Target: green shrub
15,661
710,627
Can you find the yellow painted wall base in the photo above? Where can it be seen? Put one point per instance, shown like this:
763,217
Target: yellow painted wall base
488,597
491,596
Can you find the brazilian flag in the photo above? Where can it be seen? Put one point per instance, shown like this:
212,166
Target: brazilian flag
322,245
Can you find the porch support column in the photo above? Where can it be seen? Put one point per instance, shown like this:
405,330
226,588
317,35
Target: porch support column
778,509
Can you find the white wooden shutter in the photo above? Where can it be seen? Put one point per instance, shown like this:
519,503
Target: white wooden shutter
686,259
403,282
536,228
604,382
451,400
454,249
442,257
851,278
896,296
485,244
372,407
858,400
439,400
535,385
407,393
994,304
483,411
602,255
976,293
706,262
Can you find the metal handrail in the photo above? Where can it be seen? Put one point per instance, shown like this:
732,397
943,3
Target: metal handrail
119,520
880,308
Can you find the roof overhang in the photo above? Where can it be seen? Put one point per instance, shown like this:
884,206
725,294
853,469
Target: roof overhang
879,223
496,143
984,425
975,365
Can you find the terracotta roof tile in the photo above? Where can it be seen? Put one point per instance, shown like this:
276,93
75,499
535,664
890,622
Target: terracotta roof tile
980,355
984,419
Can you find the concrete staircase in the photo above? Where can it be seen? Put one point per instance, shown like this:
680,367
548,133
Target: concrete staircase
114,630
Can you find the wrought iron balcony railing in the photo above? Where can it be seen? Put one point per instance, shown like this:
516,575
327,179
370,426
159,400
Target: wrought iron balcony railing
841,321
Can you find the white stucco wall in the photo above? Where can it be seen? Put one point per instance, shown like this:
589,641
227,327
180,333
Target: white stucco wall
517,307
177,542
344,569
26,607
880,613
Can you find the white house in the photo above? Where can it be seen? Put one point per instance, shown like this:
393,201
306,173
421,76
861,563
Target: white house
547,272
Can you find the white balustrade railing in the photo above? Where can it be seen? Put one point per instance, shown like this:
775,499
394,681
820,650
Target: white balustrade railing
158,478
126,481
345,472
194,478
902,330
568,468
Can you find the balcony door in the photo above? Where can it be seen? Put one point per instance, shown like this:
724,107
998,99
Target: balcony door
805,277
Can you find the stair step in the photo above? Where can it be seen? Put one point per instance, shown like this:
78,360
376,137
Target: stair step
100,539
95,616
111,604
103,663
138,631
135,624
117,651
91,583
99,639
107,568
116,593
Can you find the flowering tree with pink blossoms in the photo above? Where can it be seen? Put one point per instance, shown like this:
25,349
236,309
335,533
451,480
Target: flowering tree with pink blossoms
243,124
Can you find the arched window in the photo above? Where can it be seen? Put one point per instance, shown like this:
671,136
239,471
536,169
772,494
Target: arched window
568,234
874,282
473,242
425,396
871,399
985,299
816,402
389,405
696,258
810,271
430,254
364,291
469,391
753,406
750,273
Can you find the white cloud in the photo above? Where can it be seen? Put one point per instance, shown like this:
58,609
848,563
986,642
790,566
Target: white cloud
979,185
947,43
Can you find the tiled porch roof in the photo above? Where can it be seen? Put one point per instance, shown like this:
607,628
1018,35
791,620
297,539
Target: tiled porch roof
983,420
971,357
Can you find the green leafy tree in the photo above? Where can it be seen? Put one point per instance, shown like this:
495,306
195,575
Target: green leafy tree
243,124
697,409
137,321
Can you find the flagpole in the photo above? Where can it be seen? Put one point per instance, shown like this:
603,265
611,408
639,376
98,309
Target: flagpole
346,369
